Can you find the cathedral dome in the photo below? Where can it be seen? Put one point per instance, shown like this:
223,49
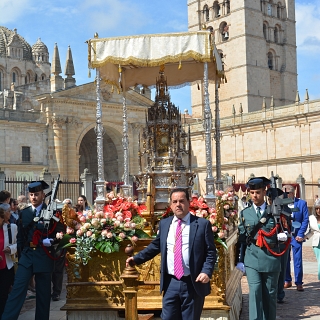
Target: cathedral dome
39,46
9,37
40,51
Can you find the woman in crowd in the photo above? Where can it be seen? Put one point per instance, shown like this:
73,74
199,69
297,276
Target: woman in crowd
83,203
14,211
314,225
8,247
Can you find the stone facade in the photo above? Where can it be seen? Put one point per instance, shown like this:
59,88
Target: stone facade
257,42
282,140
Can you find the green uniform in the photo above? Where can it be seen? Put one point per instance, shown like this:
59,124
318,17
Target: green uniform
262,268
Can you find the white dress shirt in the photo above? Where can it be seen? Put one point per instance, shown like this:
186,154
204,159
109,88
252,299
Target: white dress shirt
262,208
185,226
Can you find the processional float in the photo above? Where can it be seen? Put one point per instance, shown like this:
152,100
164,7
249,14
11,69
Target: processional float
165,61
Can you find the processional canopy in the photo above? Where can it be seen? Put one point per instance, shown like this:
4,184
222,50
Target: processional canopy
127,61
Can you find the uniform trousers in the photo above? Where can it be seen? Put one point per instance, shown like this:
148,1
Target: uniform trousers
19,291
284,259
180,300
6,280
57,275
296,248
262,294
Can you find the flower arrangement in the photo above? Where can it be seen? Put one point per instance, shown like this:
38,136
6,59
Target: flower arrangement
103,230
199,208
228,201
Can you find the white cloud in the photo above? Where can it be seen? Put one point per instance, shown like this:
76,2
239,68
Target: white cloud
10,10
308,26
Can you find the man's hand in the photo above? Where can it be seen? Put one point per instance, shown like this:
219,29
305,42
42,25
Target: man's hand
240,266
130,262
203,277
7,250
299,239
282,236
47,242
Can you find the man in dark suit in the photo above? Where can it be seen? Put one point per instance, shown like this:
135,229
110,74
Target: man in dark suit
301,216
188,256
35,238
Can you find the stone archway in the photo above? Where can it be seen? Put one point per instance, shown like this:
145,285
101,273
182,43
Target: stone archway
88,156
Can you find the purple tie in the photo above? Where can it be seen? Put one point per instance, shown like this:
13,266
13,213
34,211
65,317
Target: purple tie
178,264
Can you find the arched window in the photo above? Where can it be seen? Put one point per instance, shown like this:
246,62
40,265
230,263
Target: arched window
270,61
224,30
269,9
206,13
227,5
43,77
279,10
276,34
265,31
216,9
36,78
222,58
1,75
14,77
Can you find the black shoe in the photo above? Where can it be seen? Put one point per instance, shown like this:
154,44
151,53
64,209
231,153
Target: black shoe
280,301
55,297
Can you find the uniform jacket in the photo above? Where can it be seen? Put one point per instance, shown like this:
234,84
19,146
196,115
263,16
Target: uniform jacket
13,245
301,216
255,257
37,257
315,230
202,251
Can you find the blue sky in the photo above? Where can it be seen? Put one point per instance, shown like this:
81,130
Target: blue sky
61,22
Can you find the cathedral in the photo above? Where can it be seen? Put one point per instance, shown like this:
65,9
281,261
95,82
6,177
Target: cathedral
47,121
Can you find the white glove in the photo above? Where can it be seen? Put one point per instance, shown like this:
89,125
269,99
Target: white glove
240,266
47,242
282,236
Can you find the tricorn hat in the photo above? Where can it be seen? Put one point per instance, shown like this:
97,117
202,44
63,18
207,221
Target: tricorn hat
279,192
36,186
258,183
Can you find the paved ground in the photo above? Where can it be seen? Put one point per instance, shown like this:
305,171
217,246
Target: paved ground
297,305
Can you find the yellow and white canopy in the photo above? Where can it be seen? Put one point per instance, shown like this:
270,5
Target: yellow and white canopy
127,61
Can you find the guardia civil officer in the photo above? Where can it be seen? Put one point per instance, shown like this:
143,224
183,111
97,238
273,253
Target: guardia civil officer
256,259
36,257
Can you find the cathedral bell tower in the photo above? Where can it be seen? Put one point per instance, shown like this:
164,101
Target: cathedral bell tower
257,42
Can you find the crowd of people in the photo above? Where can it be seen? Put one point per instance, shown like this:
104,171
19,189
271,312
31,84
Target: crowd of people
186,245
30,267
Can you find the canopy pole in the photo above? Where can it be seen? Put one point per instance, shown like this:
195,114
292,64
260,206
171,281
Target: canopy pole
99,130
126,187
217,137
207,125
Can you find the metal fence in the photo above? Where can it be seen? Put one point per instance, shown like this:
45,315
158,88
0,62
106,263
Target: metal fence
67,189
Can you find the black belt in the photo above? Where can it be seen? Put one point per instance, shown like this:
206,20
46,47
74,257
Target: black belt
184,278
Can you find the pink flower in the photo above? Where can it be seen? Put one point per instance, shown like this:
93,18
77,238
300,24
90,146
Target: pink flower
127,225
73,240
82,219
70,230
79,233
116,223
120,218
212,220
103,221
221,235
89,214
104,233
226,207
122,235
214,229
109,235
134,238
108,215
219,193
204,213
224,197
59,235
89,233
99,214
132,225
